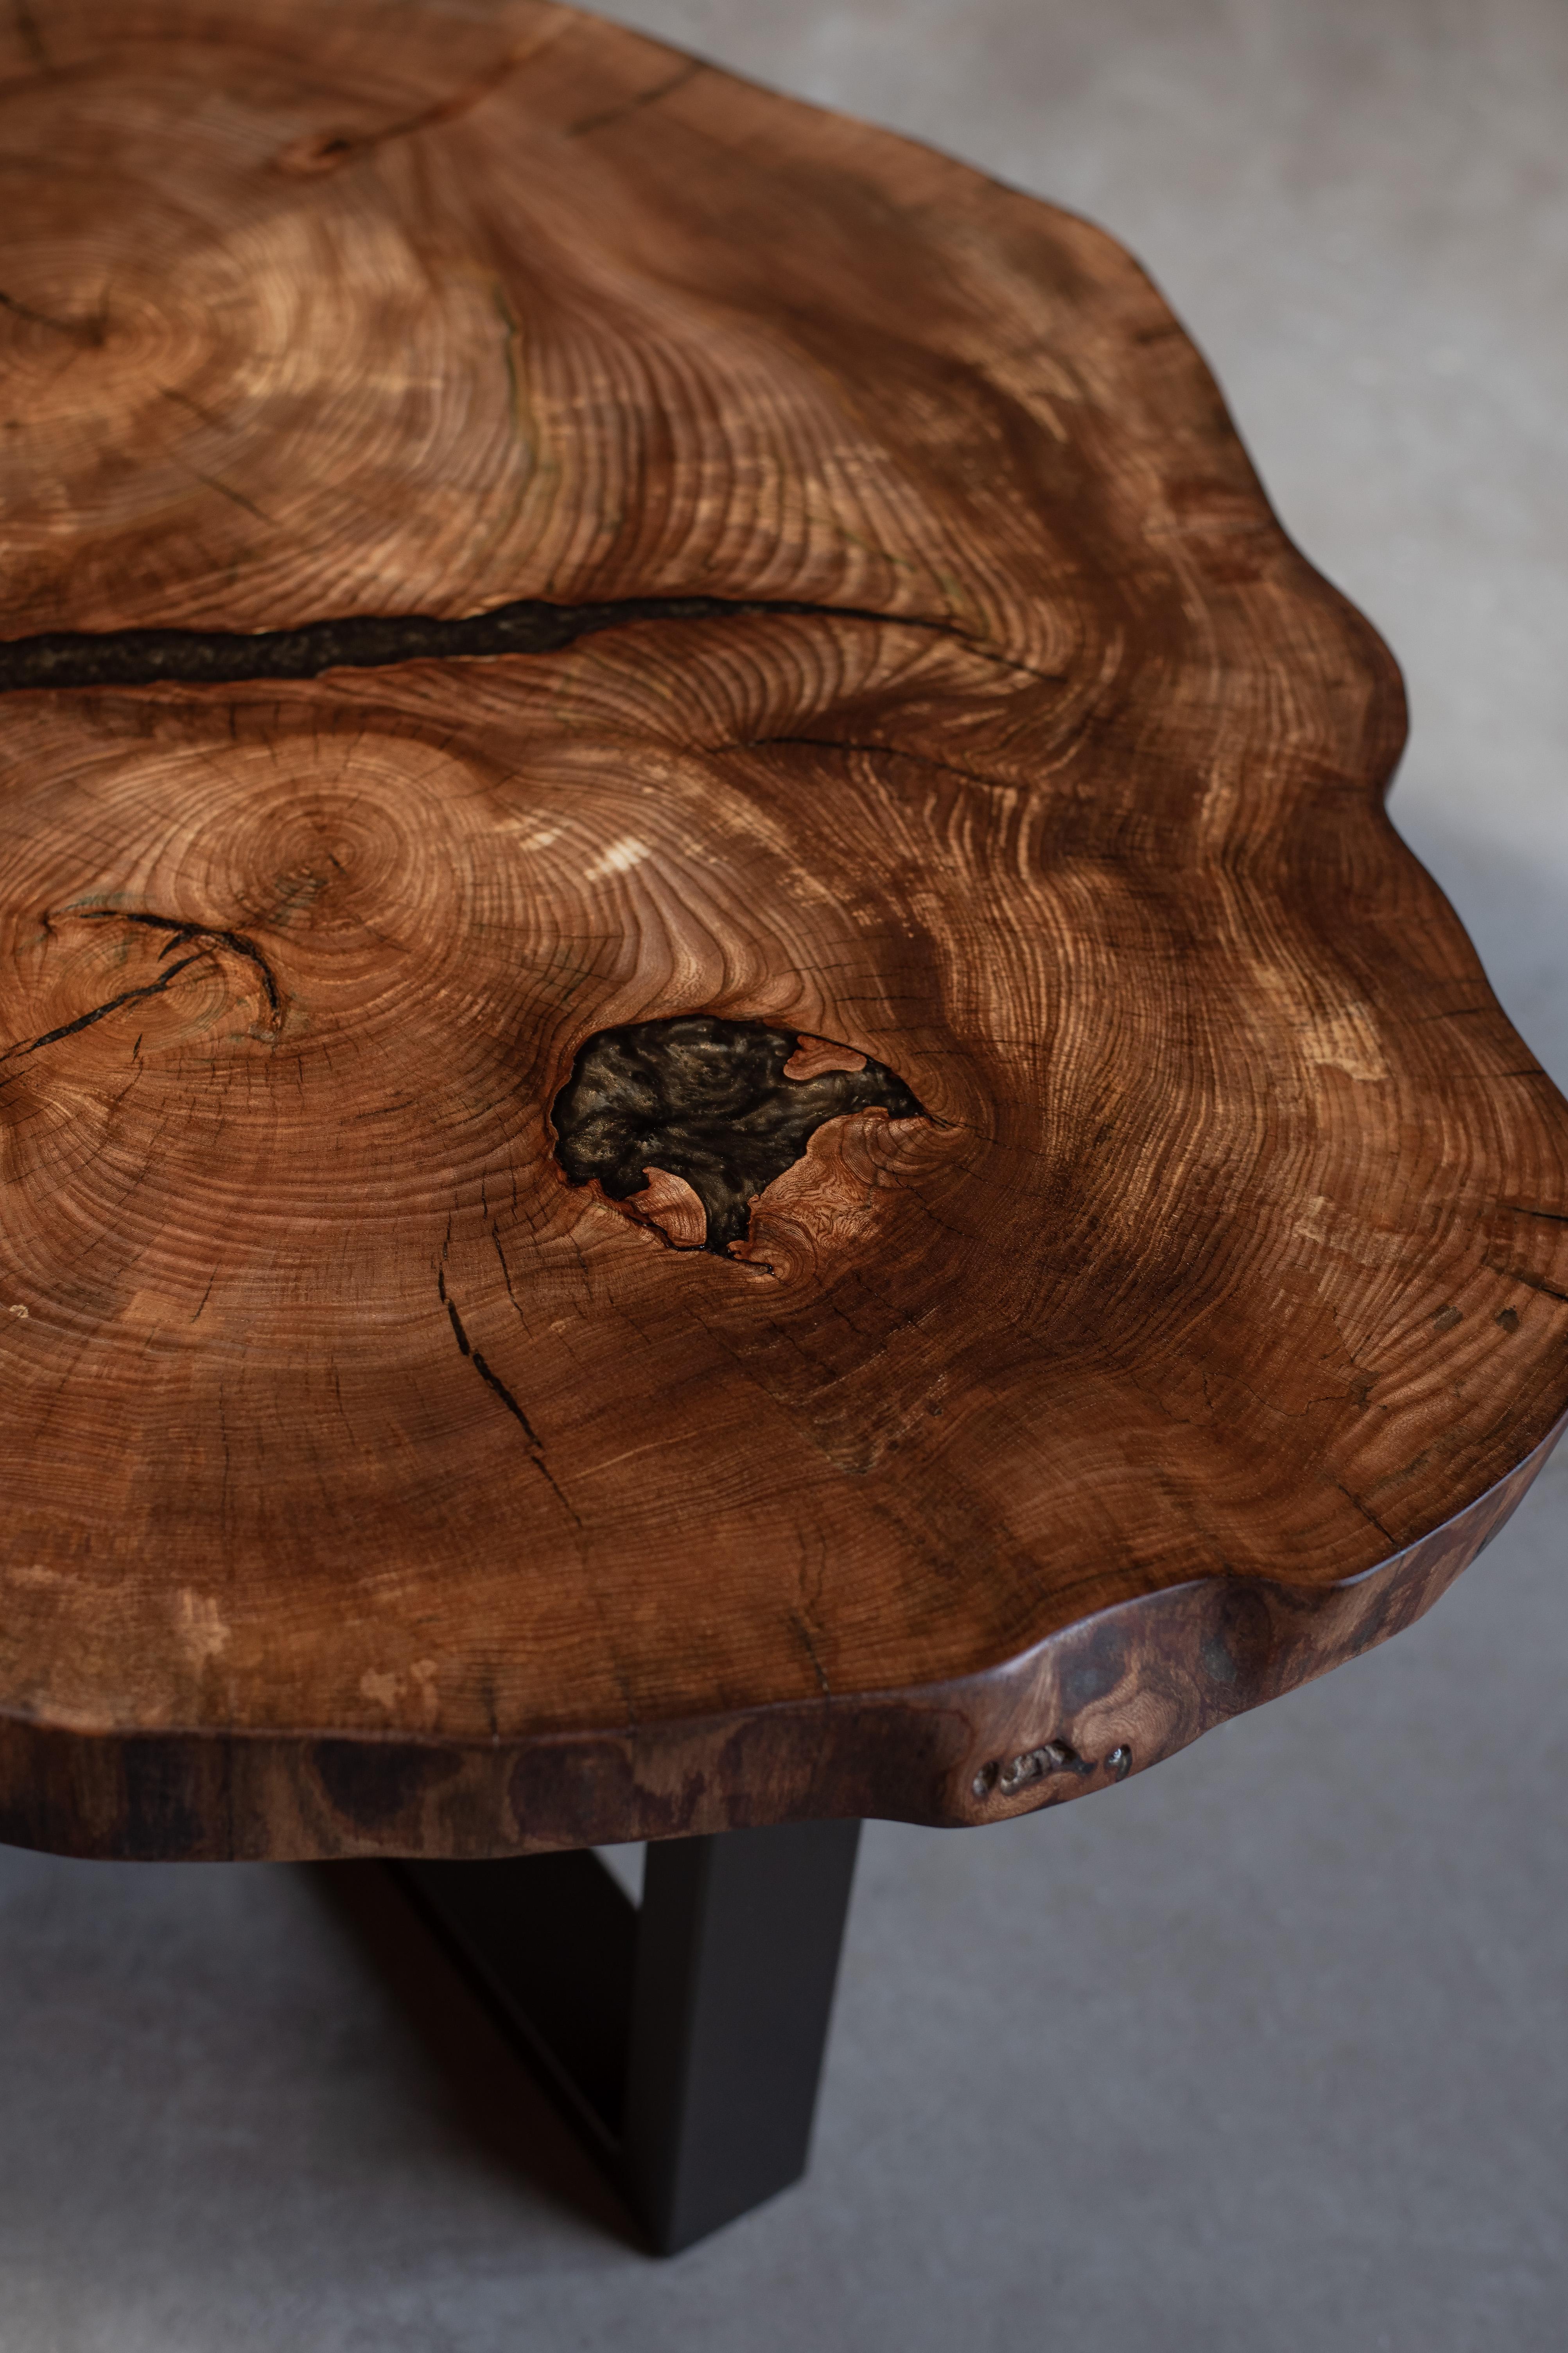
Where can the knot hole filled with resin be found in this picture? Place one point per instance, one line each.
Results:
(687, 1122)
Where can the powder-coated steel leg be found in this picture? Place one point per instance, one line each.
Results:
(684, 2036)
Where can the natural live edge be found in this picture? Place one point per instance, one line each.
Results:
(122, 658)
(370, 1487)
(1086, 1701)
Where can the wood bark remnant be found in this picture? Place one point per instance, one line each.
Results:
(566, 619)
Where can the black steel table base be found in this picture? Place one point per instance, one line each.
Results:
(684, 2036)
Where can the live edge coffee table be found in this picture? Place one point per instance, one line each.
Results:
(723, 1104)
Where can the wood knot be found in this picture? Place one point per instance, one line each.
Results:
(1005, 1777)
(688, 1121)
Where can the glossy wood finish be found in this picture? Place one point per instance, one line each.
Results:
(890, 652)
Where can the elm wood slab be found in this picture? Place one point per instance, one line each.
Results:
(570, 620)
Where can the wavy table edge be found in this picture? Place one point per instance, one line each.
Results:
(1111, 1694)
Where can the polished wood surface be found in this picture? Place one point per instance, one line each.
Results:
(570, 620)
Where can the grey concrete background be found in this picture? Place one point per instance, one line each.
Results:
(1266, 2051)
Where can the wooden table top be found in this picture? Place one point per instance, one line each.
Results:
(721, 1096)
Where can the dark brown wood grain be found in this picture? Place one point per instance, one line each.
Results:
(558, 607)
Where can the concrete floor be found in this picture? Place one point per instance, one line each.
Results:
(1266, 2051)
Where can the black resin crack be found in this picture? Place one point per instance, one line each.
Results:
(364, 642)
(236, 941)
(205, 941)
(100, 1012)
(705, 1100)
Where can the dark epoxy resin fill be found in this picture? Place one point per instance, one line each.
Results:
(708, 1101)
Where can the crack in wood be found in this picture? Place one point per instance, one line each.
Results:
(205, 942)
(844, 745)
(639, 99)
(493, 1378)
(369, 641)
(100, 1012)
(236, 943)
(499, 1389)
(328, 151)
(90, 331)
(1522, 1274)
